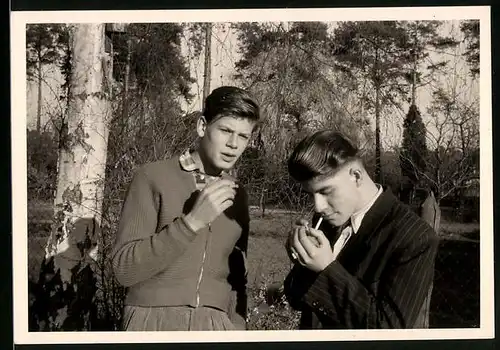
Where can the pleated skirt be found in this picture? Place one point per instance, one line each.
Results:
(175, 318)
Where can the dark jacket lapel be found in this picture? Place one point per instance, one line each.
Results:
(359, 243)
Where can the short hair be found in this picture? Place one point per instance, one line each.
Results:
(230, 101)
(322, 153)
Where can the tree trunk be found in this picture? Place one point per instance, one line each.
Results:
(39, 96)
(262, 202)
(126, 83)
(378, 167)
(208, 61)
(414, 84)
(414, 72)
(67, 277)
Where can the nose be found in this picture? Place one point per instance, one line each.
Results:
(319, 203)
(232, 142)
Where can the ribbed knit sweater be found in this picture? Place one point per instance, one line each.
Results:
(163, 262)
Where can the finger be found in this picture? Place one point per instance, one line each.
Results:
(214, 186)
(302, 222)
(297, 245)
(307, 244)
(319, 235)
(226, 204)
(291, 252)
(222, 195)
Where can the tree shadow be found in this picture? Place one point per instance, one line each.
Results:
(455, 297)
(63, 298)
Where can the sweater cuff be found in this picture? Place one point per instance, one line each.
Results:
(180, 231)
(185, 228)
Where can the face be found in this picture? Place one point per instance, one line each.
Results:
(223, 141)
(335, 196)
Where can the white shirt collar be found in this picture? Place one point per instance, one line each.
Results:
(357, 217)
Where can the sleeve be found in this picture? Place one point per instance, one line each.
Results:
(299, 279)
(141, 252)
(396, 300)
(238, 271)
(296, 284)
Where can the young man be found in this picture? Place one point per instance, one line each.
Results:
(182, 238)
(371, 262)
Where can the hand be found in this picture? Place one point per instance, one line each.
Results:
(291, 252)
(211, 202)
(316, 257)
(300, 224)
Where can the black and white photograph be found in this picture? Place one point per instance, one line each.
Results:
(268, 173)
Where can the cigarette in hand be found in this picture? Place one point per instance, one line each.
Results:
(318, 223)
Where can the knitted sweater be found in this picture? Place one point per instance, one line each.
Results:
(163, 262)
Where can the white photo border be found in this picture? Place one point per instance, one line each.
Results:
(19, 19)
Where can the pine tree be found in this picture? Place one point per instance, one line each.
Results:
(414, 149)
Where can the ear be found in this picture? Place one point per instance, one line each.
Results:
(357, 173)
(201, 126)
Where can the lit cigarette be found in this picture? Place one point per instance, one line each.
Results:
(318, 223)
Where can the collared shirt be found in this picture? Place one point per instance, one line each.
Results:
(355, 223)
(189, 164)
(357, 217)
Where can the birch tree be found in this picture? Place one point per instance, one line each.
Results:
(67, 285)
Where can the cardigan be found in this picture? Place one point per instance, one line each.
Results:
(379, 280)
(162, 262)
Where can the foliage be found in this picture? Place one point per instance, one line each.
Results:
(375, 53)
(424, 38)
(45, 44)
(156, 64)
(288, 67)
(413, 149)
(277, 316)
(454, 161)
(42, 165)
(470, 30)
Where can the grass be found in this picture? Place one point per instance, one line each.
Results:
(455, 301)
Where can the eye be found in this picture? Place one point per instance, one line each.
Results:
(326, 191)
(225, 130)
(244, 137)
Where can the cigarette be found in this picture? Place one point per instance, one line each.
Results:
(318, 223)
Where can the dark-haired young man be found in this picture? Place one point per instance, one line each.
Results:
(371, 262)
(182, 239)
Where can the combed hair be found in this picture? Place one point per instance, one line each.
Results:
(321, 153)
(230, 101)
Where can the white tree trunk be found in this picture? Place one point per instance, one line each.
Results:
(82, 159)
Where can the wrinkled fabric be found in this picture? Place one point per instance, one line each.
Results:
(173, 318)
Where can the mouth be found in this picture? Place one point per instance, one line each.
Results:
(227, 157)
(329, 217)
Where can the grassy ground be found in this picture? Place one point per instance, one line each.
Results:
(455, 301)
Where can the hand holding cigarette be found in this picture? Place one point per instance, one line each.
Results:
(306, 224)
(310, 247)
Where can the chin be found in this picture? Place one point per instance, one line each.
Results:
(224, 165)
(336, 221)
